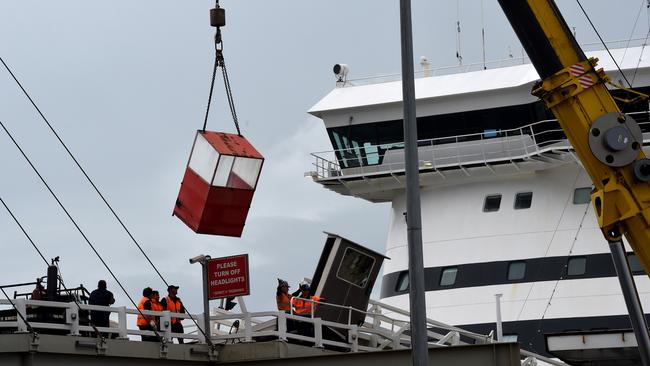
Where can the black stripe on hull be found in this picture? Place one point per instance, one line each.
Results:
(496, 273)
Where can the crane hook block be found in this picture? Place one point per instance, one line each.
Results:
(219, 183)
(218, 17)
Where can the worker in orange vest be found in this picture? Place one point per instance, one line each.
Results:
(301, 305)
(146, 322)
(174, 304)
(282, 296)
(156, 306)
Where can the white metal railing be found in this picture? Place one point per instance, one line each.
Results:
(378, 331)
(483, 148)
(492, 64)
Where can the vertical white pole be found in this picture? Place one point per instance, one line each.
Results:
(499, 323)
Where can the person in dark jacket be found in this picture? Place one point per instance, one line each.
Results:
(101, 296)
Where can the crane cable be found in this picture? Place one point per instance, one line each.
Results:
(603, 42)
(90, 181)
(74, 222)
(219, 61)
(644, 42)
(59, 275)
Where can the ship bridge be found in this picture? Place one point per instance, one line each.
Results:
(470, 125)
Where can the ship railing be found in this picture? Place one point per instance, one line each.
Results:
(71, 321)
(482, 149)
(512, 60)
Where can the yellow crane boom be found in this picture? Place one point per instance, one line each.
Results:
(607, 142)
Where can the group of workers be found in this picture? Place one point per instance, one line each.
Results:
(300, 300)
(151, 301)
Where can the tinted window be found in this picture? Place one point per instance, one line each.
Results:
(402, 282)
(492, 203)
(516, 270)
(582, 195)
(355, 267)
(635, 265)
(577, 266)
(523, 200)
(510, 338)
(448, 276)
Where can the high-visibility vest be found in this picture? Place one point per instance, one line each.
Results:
(284, 302)
(301, 306)
(174, 307)
(141, 319)
(156, 306)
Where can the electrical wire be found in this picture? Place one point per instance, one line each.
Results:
(629, 39)
(83, 171)
(603, 42)
(18, 313)
(643, 46)
(90, 181)
(74, 222)
(60, 277)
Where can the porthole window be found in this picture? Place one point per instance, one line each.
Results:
(448, 276)
(492, 203)
(402, 282)
(582, 195)
(577, 266)
(516, 271)
(523, 200)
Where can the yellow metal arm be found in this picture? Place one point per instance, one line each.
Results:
(607, 142)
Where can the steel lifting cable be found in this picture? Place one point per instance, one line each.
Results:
(603, 42)
(90, 181)
(74, 222)
(219, 61)
(60, 277)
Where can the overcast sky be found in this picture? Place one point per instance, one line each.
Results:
(125, 84)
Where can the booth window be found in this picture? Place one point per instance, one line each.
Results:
(355, 267)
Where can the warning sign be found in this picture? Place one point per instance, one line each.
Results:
(228, 277)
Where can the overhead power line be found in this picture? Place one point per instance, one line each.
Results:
(74, 222)
(92, 183)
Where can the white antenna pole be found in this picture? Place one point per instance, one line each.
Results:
(483, 34)
(458, 50)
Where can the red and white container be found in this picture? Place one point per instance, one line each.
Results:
(219, 183)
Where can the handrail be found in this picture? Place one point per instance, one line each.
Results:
(371, 336)
(478, 66)
(451, 151)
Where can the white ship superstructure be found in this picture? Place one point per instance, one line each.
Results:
(505, 203)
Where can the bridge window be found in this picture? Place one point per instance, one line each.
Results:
(516, 270)
(448, 276)
(355, 267)
(582, 195)
(523, 200)
(577, 266)
(492, 203)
